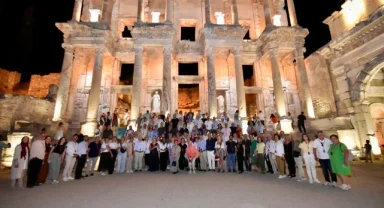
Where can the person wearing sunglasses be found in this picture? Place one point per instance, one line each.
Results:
(320, 149)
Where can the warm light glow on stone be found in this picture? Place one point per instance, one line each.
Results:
(155, 17)
(277, 20)
(94, 15)
(348, 137)
(375, 145)
(220, 18)
(14, 139)
(353, 9)
(286, 126)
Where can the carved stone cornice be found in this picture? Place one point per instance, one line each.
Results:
(153, 31)
(362, 33)
(229, 32)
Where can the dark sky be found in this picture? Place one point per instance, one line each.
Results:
(31, 44)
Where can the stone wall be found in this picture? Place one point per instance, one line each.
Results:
(39, 85)
(8, 80)
(28, 110)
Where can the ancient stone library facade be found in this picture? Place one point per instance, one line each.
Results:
(229, 55)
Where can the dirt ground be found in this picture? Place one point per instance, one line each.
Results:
(204, 189)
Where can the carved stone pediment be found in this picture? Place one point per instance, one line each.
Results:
(153, 31)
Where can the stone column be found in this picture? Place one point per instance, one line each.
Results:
(277, 84)
(139, 10)
(292, 12)
(137, 84)
(235, 15)
(94, 95)
(207, 12)
(241, 102)
(303, 80)
(212, 98)
(167, 81)
(65, 82)
(169, 11)
(77, 10)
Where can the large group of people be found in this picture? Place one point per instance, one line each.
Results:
(182, 141)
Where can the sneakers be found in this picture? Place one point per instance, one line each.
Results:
(103, 173)
(317, 181)
(282, 176)
(326, 183)
(55, 182)
(310, 181)
(65, 179)
(345, 187)
(194, 172)
(70, 178)
(334, 184)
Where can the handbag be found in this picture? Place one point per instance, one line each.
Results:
(122, 150)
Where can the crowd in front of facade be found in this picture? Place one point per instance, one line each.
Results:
(181, 142)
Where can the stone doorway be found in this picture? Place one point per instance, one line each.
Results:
(188, 97)
(124, 101)
(251, 104)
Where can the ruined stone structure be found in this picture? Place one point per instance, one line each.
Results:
(95, 50)
(337, 87)
(346, 75)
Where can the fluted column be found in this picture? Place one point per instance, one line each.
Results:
(77, 10)
(65, 82)
(207, 12)
(277, 84)
(169, 10)
(292, 12)
(94, 95)
(240, 84)
(137, 81)
(235, 14)
(167, 82)
(139, 10)
(212, 98)
(303, 80)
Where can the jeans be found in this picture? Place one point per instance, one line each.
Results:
(91, 163)
(247, 162)
(302, 127)
(327, 169)
(300, 170)
(121, 160)
(211, 159)
(231, 162)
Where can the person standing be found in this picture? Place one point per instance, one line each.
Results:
(113, 146)
(339, 156)
(247, 156)
(202, 147)
(240, 154)
(301, 122)
(93, 155)
(20, 162)
(320, 149)
(163, 154)
(261, 117)
(191, 155)
(288, 149)
(182, 159)
(271, 156)
(139, 147)
(122, 155)
(307, 151)
(254, 143)
(230, 152)
(56, 158)
(260, 152)
(211, 152)
(280, 154)
(176, 149)
(130, 154)
(43, 173)
(368, 151)
(70, 158)
(105, 157)
(298, 158)
(153, 160)
(36, 160)
(82, 149)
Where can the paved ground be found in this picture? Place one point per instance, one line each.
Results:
(249, 190)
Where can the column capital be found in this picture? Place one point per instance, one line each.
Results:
(237, 51)
(273, 52)
(68, 48)
(139, 49)
(299, 51)
(167, 49)
(210, 50)
(99, 50)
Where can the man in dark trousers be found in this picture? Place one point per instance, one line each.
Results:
(301, 122)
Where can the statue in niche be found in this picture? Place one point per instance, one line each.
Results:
(221, 106)
(156, 103)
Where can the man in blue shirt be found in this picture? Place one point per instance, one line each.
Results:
(202, 148)
(211, 142)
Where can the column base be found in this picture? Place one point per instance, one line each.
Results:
(286, 125)
(89, 128)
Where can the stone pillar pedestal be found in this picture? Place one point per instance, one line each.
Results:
(303, 80)
(65, 82)
(240, 84)
(286, 125)
(137, 85)
(207, 12)
(212, 98)
(277, 84)
(292, 12)
(77, 10)
(94, 95)
(139, 10)
(167, 82)
(235, 14)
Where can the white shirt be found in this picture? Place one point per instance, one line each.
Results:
(190, 126)
(162, 146)
(260, 128)
(71, 148)
(104, 147)
(226, 132)
(113, 145)
(322, 148)
(208, 124)
(279, 148)
(140, 146)
(82, 148)
(261, 116)
(270, 147)
(220, 146)
(199, 123)
(144, 133)
(38, 149)
(147, 145)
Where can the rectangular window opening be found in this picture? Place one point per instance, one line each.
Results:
(126, 32)
(188, 69)
(188, 33)
(126, 75)
(249, 78)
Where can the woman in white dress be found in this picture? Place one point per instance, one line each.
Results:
(20, 162)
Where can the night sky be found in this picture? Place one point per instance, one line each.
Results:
(31, 44)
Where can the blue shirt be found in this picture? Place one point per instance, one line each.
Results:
(202, 145)
(120, 132)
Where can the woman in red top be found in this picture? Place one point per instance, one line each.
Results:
(191, 154)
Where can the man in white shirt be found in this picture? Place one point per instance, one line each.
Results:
(36, 160)
(320, 149)
(139, 148)
(82, 150)
(270, 151)
(144, 131)
(126, 117)
(226, 131)
(279, 152)
(70, 158)
(208, 124)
